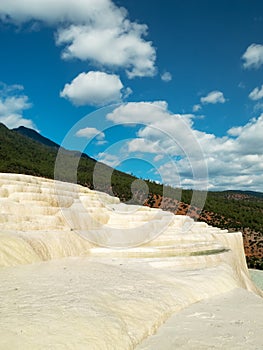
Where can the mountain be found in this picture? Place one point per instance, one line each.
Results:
(34, 135)
(23, 155)
(25, 151)
(244, 194)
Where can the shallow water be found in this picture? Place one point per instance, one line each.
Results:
(257, 277)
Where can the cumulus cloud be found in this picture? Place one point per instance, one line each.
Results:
(93, 88)
(143, 145)
(253, 57)
(12, 106)
(258, 107)
(256, 94)
(157, 124)
(112, 47)
(249, 141)
(138, 112)
(10, 89)
(109, 159)
(234, 161)
(213, 97)
(197, 108)
(166, 77)
(93, 30)
(127, 92)
(90, 133)
(58, 11)
(161, 133)
(235, 131)
(158, 157)
(242, 85)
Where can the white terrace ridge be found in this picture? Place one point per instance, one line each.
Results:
(108, 291)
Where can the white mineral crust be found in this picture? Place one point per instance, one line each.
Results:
(68, 280)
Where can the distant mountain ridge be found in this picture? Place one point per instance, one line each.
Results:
(248, 193)
(34, 135)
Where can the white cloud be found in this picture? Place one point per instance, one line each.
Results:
(235, 131)
(161, 133)
(158, 157)
(138, 112)
(197, 108)
(109, 159)
(58, 11)
(94, 30)
(166, 77)
(12, 107)
(256, 94)
(169, 174)
(250, 138)
(253, 57)
(213, 97)
(242, 85)
(234, 161)
(157, 125)
(258, 107)
(90, 133)
(115, 47)
(127, 92)
(143, 145)
(101, 142)
(6, 89)
(93, 88)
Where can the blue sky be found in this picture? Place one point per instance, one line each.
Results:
(188, 77)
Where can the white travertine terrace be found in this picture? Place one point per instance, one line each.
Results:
(61, 291)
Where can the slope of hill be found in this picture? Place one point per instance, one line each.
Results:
(34, 135)
(20, 154)
(25, 151)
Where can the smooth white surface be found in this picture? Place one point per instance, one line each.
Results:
(222, 322)
(60, 291)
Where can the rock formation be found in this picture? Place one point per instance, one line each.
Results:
(81, 270)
